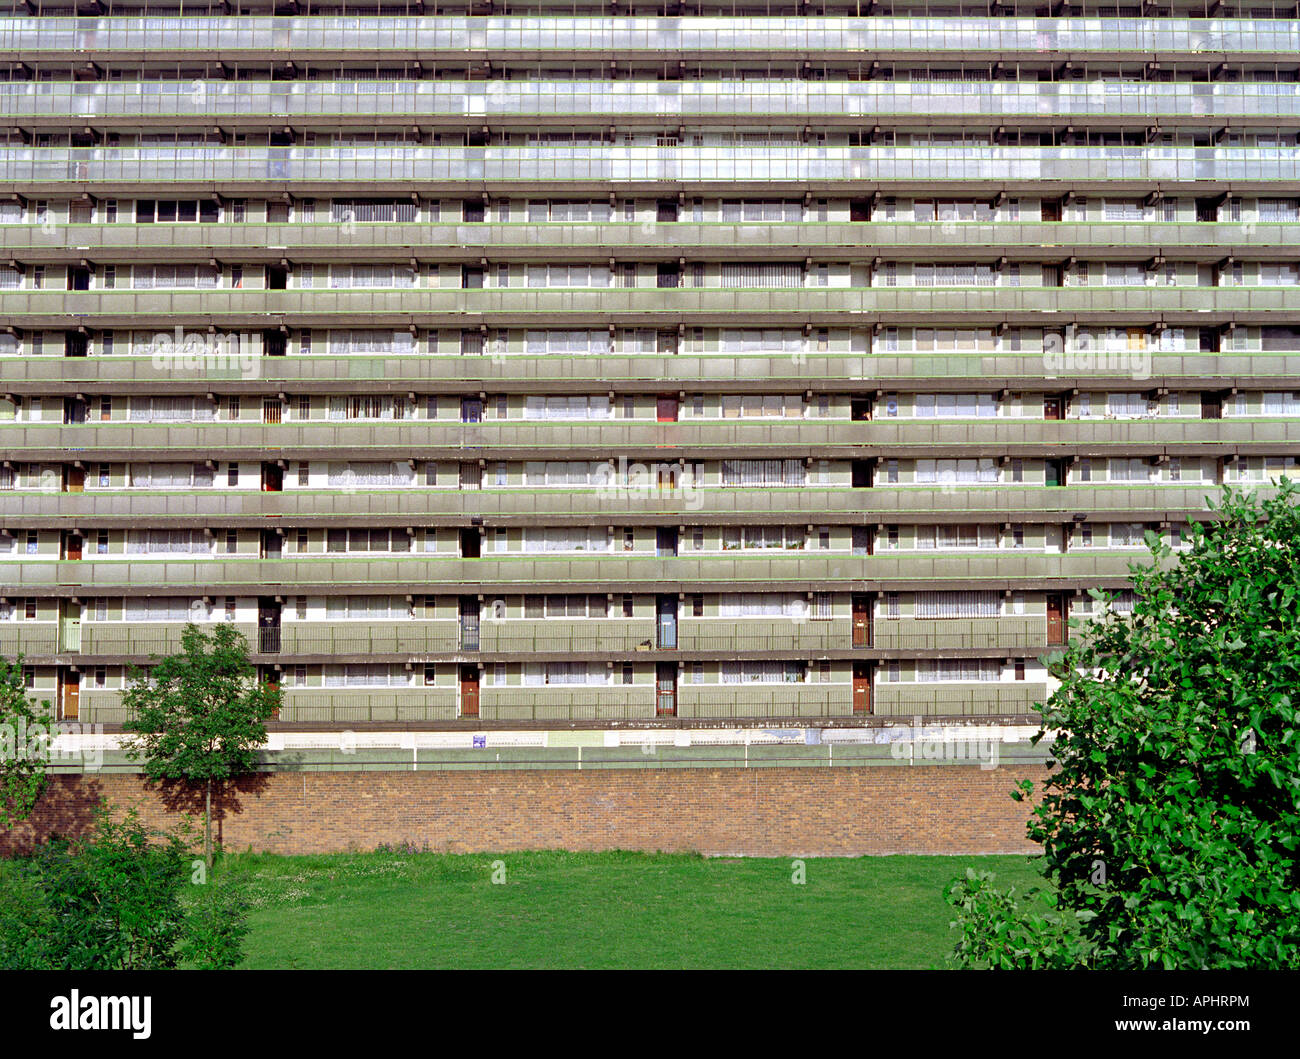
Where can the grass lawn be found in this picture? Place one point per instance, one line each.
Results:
(601, 910)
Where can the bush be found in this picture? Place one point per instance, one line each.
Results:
(114, 901)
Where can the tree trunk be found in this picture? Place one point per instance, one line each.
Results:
(207, 826)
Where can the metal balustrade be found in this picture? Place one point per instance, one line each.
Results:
(1188, 306)
(423, 440)
(473, 169)
(433, 241)
(521, 373)
(564, 102)
(920, 37)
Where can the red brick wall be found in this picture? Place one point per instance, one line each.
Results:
(944, 809)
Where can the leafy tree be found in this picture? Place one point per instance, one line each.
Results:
(201, 715)
(117, 900)
(22, 773)
(1171, 824)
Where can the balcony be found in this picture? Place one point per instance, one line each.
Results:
(327, 241)
(594, 573)
(724, 637)
(422, 440)
(563, 103)
(568, 703)
(1010, 633)
(748, 702)
(846, 306)
(445, 506)
(251, 38)
(590, 637)
(462, 170)
(366, 705)
(1001, 698)
(737, 372)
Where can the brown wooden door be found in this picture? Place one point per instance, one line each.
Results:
(72, 546)
(1057, 616)
(1211, 406)
(1053, 408)
(861, 621)
(70, 700)
(862, 703)
(76, 479)
(469, 691)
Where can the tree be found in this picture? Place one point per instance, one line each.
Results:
(1171, 823)
(201, 715)
(22, 734)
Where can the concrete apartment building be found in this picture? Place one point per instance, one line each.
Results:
(613, 362)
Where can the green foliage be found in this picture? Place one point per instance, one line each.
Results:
(115, 901)
(200, 714)
(215, 927)
(1170, 827)
(22, 773)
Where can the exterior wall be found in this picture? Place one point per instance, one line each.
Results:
(758, 812)
(928, 343)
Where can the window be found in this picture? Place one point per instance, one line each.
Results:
(956, 604)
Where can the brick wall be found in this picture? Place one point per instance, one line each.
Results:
(945, 809)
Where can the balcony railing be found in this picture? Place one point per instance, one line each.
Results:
(920, 36)
(753, 167)
(326, 240)
(1137, 306)
(524, 372)
(547, 101)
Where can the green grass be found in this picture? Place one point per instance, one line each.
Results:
(601, 910)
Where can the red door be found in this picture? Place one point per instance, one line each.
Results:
(861, 621)
(667, 409)
(469, 691)
(666, 689)
(1057, 616)
(862, 687)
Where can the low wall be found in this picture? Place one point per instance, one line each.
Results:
(760, 812)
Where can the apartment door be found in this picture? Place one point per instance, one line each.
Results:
(69, 626)
(74, 479)
(70, 696)
(666, 622)
(666, 689)
(471, 476)
(73, 545)
(862, 674)
(859, 210)
(469, 691)
(862, 631)
(666, 541)
(666, 409)
(268, 625)
(272, 410)
(75, 409)
(1057, 617)
(471, 410)
(1211, 406)
(1053, 408)
(471, 544)
(272, 545)
(272, 478)
(1051, 210)
(864, 540)
(469, 624)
